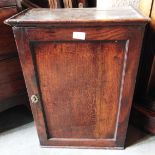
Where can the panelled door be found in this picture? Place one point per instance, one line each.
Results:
(80, 90)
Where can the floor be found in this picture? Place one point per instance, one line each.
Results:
(23, 140)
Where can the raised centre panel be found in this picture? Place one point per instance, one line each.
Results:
(80, 86)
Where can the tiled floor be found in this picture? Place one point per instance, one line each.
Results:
(23, 140)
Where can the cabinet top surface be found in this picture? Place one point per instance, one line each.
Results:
(69, 16)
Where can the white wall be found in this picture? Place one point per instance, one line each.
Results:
(117, 3)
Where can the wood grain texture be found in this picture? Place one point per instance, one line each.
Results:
(11, 78)
(85, 87)
(76, 87)
(12, 86)
(77, 16)
(7, 43)
(66, 34)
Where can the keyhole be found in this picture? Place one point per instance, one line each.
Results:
(34, 99)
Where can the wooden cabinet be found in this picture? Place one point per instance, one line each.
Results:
(7, 43)
(12, 86)
(143, 112)
(80, 67)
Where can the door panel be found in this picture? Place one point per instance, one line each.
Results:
(80, 87)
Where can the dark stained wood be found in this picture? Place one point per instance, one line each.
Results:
(7, 47)
(151, 83)
(12, 86)
(85, 87)
(28, 4)
(92, 16)
(77, 87)
(57, 34)
(144, 118)
(11, 78)
(144, 97)
(46, 3)
(4, 3)
(145, 81)
(35, 3)
(20, 99)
